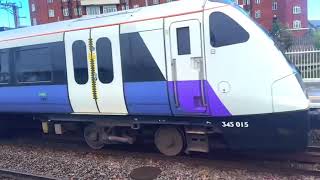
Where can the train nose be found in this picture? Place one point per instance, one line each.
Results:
(288, 95)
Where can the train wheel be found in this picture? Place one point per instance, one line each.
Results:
(93, 136)
(169, 141)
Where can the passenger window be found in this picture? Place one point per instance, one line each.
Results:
(80, 65)
(4, 68)
(225, 31)
(104, 60)
(183, 40)
(33, 65)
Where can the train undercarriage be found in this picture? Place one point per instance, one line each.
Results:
(176, 135)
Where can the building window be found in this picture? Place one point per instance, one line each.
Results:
(33, 7)
(183, 40)
(93, 10)
(80, 11)
(258, 1)
(80, 65)
(155, 1)
(246, 2)
(224, 31)
(296, 24)
(110, 8)
(75, 11)
(4, 68)
(51, 13)
(34, 21)
(296, 10)
(104, 60)
(274, 5)
(50, 1)
(258, 14)
(33, 65)
(65, 12)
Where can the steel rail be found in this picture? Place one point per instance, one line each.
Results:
(23, 176)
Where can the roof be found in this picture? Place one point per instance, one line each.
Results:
(121, 17)
(131, 21)
(315, 23)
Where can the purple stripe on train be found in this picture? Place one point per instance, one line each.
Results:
(151, 98)
(190, 100)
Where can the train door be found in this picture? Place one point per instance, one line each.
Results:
(109, 84)
(186, 85)
(94, 71)
(80, 81)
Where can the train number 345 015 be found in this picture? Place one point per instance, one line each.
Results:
(235, 124)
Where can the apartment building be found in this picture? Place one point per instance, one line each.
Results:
(291, 13)
(47, 11)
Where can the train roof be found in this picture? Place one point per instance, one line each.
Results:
(121, 17)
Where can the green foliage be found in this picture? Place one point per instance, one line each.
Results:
(286, 38)
(316, 37)
(281, 36)
(276, 28)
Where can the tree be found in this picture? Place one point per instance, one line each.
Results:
(316, 37)
(276, 28)
(281, 35)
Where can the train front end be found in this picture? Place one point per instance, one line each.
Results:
(262, 91)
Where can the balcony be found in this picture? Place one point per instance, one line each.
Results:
(99, 2)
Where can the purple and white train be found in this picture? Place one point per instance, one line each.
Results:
(191, 75)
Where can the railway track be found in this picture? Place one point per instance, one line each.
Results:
(10, 174)
(307, 163)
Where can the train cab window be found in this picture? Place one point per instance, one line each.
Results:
(4, 68)
(183, 40)
(33, 65)
(79, 52)
(104, 60)
(225, 31)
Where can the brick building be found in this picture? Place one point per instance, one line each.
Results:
(47, 11)
(141, 3)
(293, 14)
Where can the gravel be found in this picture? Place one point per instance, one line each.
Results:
(81, 163)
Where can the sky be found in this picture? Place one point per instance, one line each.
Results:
(6, 19)
(314, 9)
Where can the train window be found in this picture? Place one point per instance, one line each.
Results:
(104, 60)
(138, 64)
(4, 68)
(225, 31)
(80, 65)
(33, 65)
(183, 40)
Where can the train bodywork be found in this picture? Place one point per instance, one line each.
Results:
(198, 70)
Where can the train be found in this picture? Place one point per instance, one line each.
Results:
(189, 76)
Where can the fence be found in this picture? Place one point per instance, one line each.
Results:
(307, 61)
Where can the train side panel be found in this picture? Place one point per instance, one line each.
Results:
(33, 79)
(144, 70)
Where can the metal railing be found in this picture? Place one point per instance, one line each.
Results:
(307, 61)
